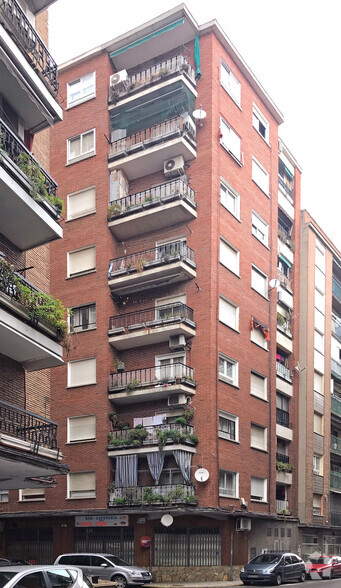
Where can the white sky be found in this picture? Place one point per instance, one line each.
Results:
(292, 46)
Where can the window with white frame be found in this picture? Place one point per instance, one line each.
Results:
(4, 496)
(171, 476)
(260, 123)
(81, 146)
(228, 426)
(228, 484)
(170, 365)
(228, 313)
(319, 301)
(83, 318)
(230, 83)
(81, 485)
(258, 437)
(229, 256)
(228, 369)
(230, 199)
(259, 281)
(81, 428)
(258, 386)
(31, 494)
(258, 337)
(258, 489)
(317, 505)
(82, 89)
(230, 140)
(260, 176)
(81, 372)
(260, 229)
(169, 307)
(81, 261)
(318, 423)
(318, 383)
(81, 203)
(317, 464)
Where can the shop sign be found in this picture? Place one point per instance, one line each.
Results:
(102, 521)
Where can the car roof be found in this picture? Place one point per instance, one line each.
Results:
(86, 553)
(32, 568)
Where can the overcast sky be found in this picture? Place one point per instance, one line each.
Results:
(293, 48)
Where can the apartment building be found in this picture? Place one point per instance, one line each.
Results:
(178, 405)
(31, 322)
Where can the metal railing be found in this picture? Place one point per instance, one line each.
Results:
(282, 417)
(25, 425)
(336, 367)
(283, 279)
(152, 376)
(178, 250)
(336, 327)
(157, 193)
(284, 186)
(335, 480)
(176, 493)
(152, 317)
(335, 444)
(283, 371)
(335, 518)
(282, 505)
(28, 39)
(282, 457)
(152, 437)
(285, 230)
(337, 289)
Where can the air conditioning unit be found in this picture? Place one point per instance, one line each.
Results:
(172, 168)
(177, 342)
(177, 400)
(118, 79)
(189, 126)
(243, 524)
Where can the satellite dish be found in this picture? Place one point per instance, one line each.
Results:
(199, 114)
(274, 283)
(167, 520)
(201, 475)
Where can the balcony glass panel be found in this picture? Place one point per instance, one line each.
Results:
(336, 405)
(335, 444)
(335, 480)
(337, 289)
(22, 424)
(335, 519)
(336, 368)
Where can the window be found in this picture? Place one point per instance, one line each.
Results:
(318, 341)
(169, 307)
(228, 313)
(319, 301)
(81, 146)
(260, 176)
(81, 428)
(258, 386)
(228, 426)
(83, 318)
(259, 281)
(318, 424)
(317, 464)
(317, 505)
(318, 383)
(82, 89)
(229, 139)
(81, 203)
(4, 496)
(60, 578)
(81, 485)
(259, 334)
(81, 261)
(229, 257)
(230, 82)
(260, 228)
(320, 280)
(168, 366)
(258, 489)
(228, 484)
(260, 123)
(171, 476)
(282, 402)
(81, 372)
(319, 320)
(230, 199)
(258, 437)
(320, 256)
(27, 494)
(228, 370)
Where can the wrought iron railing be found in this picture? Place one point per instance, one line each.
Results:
(337, 289)
(283, 371)
(335, 444)
(143, 260)
(175, 188)
(281, 505)
(152, 438)
(335, 480)
(28, 39)
(170, 493)
(152, 317)
(282, 457)
(336, 367)
(25, 425)
(282, 417)
(152, 376)
(284, 186)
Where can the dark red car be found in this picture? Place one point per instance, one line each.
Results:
(323, 566)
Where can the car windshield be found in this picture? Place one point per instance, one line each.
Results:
(117, 561)
(5, 577)
(320, 560)
(267, 558)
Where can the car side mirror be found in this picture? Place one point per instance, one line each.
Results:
(104, 565)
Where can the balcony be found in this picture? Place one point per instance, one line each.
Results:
(285, 202)
(284, 337)
(153, 383)
(285, 282)
(336, 406)
(163, 265)
(151, 325)
(29, 208)
(143, 440)
(283, 372)
(336, 369)
(150, 76)
(336, 327)
(283, 427)
(34, 436)
(335, 481)
(282, 417)
(285, 250)
(28, 332)
(162, 206)
(335, 444)
(285, 297)
(283, 477)
(282, 506)
(167, 495)
(282, 458)
(28, 72)
(335, 519)
(336, 288)
(145, 151)
(285, 185)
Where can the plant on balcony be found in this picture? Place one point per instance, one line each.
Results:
(119, 365)
(281, 320)
(135, 437)
(164, 71)
(119, 501)
(282, 235)
(132, 385)
(139, 264)
(180, 421)
(191, 500)
(38, 189)
(175, 436)
(111, 487)
(284, 467)
(188, 414)
(113, 210)
(285, 512)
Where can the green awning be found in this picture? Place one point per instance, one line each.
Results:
(197, 58)
(147, 38)
(284, 259)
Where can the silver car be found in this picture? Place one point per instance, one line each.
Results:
(26, 576)
(106, 567)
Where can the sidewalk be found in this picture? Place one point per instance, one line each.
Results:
(195, 584)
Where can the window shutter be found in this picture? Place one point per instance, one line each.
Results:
(258, 437)
(82, 428)
(81, 203)
(258, 386)
(260, 176)
(257, 336)
(258, 281)
(257, 487)
(82, 372)
(227, 313)
(229, 257)
(82, 260)
(83, 482)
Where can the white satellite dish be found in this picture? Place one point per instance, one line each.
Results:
(201, 475)
(167, 520)
(199, 114)
(274, 283)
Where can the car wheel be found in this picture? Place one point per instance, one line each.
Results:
(302, 577)
(121, 581)
(278, 580)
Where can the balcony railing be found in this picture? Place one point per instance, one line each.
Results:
(335, 480)
(335, 444)
(25, 425)
(282, 417)
(152, 317)
(284, 280)
(283, 371)
(336, 368)
(335, 519)
(286, 188)
(336, 327)
(282, 505)
(152, 377)
(337, 289)
(28, 39)
(143, 260)
(124, 438)
(282, 457)
(336, 405)
(157, 194)
(148, 495)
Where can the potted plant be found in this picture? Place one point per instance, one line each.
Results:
(119, 365)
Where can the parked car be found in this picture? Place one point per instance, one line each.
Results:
(6, 561)
(323, 566)
(106, 567)
(273, 567)
(27, 576)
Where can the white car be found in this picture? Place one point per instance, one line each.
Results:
(47, 576)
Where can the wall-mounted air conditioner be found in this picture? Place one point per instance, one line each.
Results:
(172, 168)
(243, 524)
(118, 79)
(177, 342)
(177, 400)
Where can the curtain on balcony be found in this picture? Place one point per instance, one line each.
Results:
(155, 463)
(126, 471)
(184, 460)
